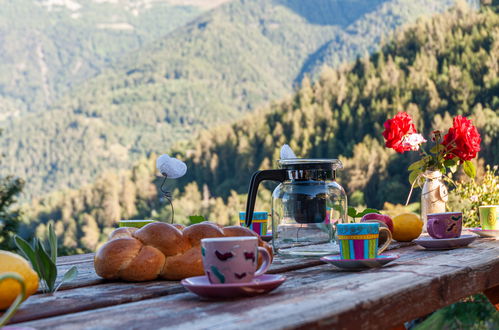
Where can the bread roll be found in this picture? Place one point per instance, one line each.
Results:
(160, 250)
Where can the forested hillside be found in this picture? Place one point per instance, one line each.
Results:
(435, 69)
(48, 47)
(215, 69)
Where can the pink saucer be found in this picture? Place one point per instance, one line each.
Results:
(431, 243)
(359, 264)
(201, 286)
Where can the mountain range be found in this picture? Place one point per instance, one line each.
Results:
(51, 46)
(218, 67)
(434, 69)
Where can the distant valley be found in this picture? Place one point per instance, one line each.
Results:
(220, 66)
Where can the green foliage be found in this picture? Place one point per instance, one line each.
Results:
(471, 194)
(215, 69)
(10, 188)
(434, 160)
(352, 212)
(476, 313)
(193, 219)
(44, 263)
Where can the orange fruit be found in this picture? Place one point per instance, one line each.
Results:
(407, 227)
(10, 288)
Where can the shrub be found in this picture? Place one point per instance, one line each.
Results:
(469, 195)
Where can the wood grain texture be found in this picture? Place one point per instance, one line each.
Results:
(318, 296)
(87, 276)
(88, 291)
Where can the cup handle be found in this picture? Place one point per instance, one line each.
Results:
(266, 261)
(388, 241)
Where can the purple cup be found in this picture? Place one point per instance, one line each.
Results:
(445, 225)
(233, 259)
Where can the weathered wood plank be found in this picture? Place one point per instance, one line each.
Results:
(75, 259)
(321, 296)
(92, 297)
(86, 274)
(89, 291)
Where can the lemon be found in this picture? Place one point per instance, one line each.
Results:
(10, 288)
(406, 227)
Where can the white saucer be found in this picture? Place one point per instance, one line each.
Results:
(485, 232)
(359, 264)
(201, 286)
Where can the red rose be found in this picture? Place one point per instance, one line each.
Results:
(396, 129)
(463, 140)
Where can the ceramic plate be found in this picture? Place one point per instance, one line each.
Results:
(431, 243)
(359, 264)
(485, 232)
(201, 286)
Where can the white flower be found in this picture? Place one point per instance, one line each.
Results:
(474, 198)
(287, 153)
(172, 168)
(413, 141)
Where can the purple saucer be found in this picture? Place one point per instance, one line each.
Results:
(359, 264)
(431, 243)
(201, 286)
(485, 232)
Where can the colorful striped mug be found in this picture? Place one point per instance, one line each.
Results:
(360, 240)
(259, 224)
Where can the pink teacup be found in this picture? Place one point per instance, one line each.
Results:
(233, 259)
(445, 225)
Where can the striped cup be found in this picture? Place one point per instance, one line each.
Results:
(259, 224)
(360, 240)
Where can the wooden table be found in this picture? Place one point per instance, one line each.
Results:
(315, 295)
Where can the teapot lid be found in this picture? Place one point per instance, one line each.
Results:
(310, 163)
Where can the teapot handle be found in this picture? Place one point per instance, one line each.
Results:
(256, 178)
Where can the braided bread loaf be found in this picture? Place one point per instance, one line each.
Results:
(161, 250)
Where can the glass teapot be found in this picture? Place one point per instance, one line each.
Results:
(306, 206)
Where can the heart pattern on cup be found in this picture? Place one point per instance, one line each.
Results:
(240, 276)
(250, 256)
(223, 256)
(233, 259)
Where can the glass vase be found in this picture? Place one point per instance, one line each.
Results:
(434, 195)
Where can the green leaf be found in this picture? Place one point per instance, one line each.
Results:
(437, 148)
(196, 219)
(417, 165)
(451, 162)
(469, 169)
(413, 176)
(369, 210)
(48, 268)
(53, 243)
(68, 276)
(366, 211)
(352, 212)
(27, 251)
